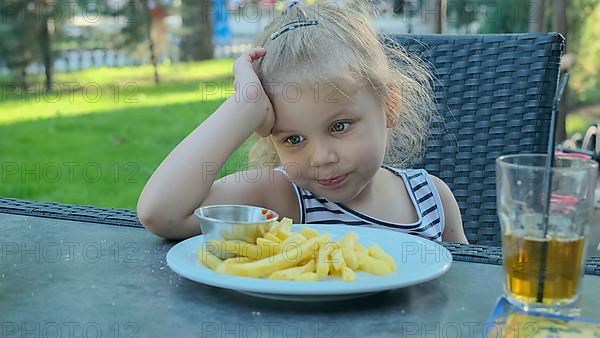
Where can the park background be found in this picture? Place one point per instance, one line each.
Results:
(95, 93)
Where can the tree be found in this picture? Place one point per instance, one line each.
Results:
(537, 18)
(27, 28)
(461, 13)
(48, 18)
(138, 27)
(440, 15)
(197, 24)
(15, 41)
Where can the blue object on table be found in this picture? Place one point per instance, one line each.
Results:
(497, 321)
(221, 31)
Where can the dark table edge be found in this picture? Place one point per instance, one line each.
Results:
(128, 218)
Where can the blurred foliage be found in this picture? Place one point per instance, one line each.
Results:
(585, 81)
(512, 16)
(578, 13)
(578, 124)
(504, 16)
(583, 37)
(137, 14)
(24, 38)
(27, 28)
(15, 41)
(135, 31)
(461, 12)
(579, 16)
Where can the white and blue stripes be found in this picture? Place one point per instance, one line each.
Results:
(423, 193)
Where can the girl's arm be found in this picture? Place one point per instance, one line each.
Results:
(453, 231)
(183, 180)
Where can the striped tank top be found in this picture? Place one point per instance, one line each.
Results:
(423, 193)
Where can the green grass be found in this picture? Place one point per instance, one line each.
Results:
(592, 96)
(102, 153)
(578, 124)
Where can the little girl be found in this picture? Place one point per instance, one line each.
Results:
(331, 107)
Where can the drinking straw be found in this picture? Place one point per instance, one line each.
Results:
(548, 189)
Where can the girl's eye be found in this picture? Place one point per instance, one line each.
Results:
(338, 126)
(293, 140)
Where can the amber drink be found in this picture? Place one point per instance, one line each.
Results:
(544, 255)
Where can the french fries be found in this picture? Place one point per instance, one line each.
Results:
(323, 260)
(293, 273)
(208, 258)
(282, 260)
(281, 254)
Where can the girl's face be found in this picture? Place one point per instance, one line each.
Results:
(319, 133)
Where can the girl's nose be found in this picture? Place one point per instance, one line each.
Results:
(323, 155)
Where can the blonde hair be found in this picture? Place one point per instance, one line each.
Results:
(343, 48)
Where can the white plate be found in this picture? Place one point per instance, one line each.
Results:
(418, 260)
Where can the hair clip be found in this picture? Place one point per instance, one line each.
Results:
(293, 25)
(291, 4)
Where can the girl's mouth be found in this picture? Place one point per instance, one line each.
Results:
(333, 182)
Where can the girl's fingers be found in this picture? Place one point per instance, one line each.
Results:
(249, 56)
(256, 53)
(242, 68)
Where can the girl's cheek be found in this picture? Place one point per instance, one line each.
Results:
(294, 167)
(286, 159)
(367, 149)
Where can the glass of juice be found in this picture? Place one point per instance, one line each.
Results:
(544, 252)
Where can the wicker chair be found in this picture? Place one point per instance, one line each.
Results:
(496, 93)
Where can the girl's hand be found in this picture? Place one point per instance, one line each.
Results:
(251, 92)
